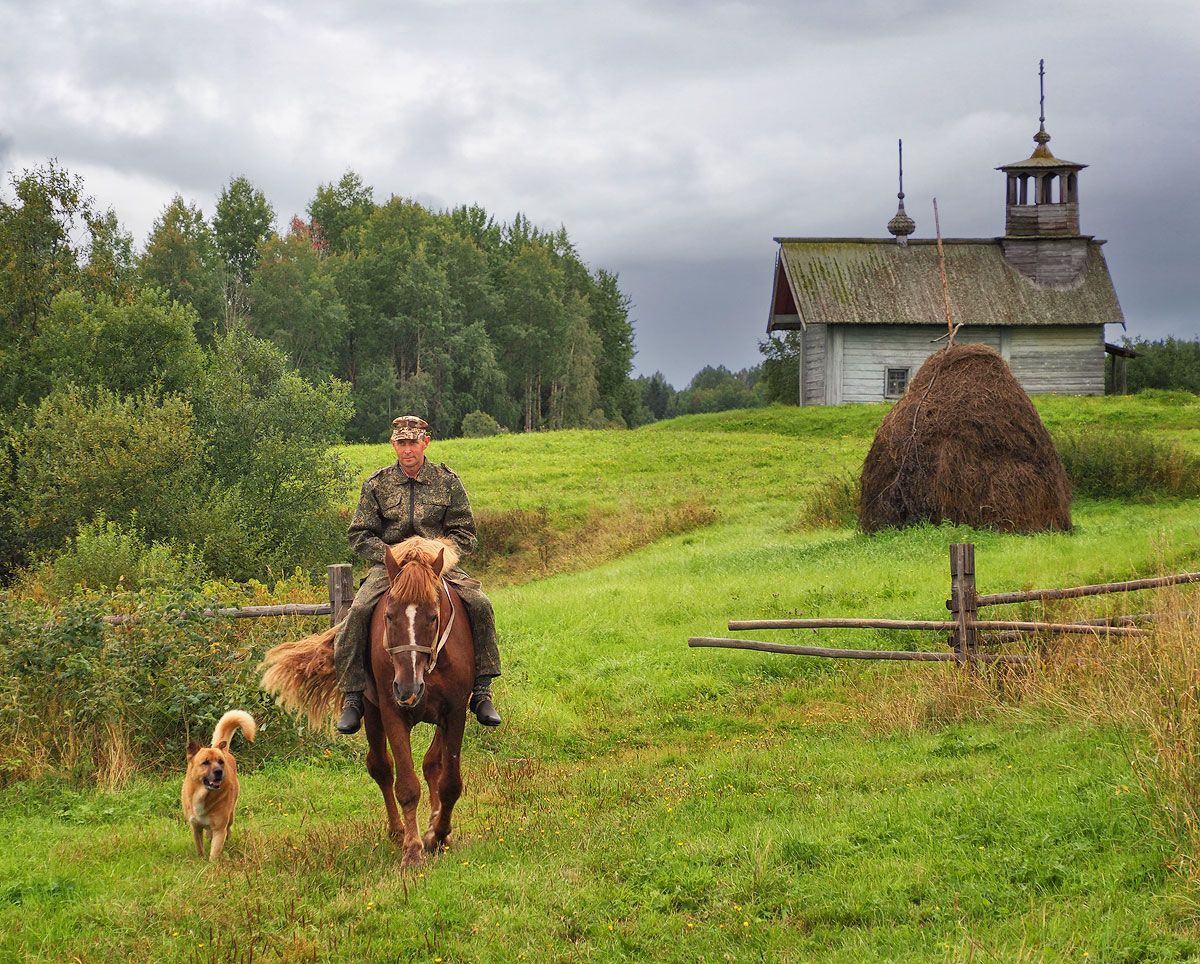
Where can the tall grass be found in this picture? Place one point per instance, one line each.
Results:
(1145, 689)
(519, 545)
(1128, 464)
(96, 703)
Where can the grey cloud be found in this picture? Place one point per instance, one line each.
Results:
(673, 139)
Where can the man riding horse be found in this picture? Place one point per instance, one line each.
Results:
(413, 497)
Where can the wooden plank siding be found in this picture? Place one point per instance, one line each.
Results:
(869, 350)
(813, 362)
(1060, 359)
(848, 363)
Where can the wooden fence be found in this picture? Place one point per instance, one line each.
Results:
(341, 595)
(964, 626)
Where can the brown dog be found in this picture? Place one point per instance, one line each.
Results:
(210, 789)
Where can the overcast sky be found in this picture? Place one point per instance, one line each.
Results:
(673, 139)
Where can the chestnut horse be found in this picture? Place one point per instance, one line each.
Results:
(422, 659)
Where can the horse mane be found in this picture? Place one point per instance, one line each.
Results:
(419, 582)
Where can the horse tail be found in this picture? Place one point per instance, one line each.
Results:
(301, 675)
(231, 721)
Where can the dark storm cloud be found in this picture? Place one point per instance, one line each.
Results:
(672, 139)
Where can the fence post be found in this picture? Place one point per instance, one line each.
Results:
(963, 605)
(341, 591)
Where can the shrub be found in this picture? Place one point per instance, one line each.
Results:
(147, 343)
(243, 470)
(479, 424)
(1129, 464)
(833, 504)
(82, 455)
(505, 533)
(272, 488)
(97, 702)
(106, 555)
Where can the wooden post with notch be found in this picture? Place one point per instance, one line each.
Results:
(341, 591)
(963, 602)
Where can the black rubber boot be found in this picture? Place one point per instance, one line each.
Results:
(352, 714)
(482, 706)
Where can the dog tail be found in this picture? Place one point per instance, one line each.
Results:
(301, 676)
(234, 720)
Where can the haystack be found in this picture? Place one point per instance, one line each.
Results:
(965, 445)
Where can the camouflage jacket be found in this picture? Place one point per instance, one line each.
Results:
(393, 507)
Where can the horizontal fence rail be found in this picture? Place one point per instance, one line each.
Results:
(938, 625)
(341, 595)
(1131, 585)
(964, 627)
(718, 642)
(238, 612)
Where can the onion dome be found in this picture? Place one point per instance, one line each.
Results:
(901, 225)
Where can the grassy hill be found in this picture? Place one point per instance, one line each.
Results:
(647, 801)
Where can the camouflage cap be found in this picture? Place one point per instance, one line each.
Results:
(409, 427)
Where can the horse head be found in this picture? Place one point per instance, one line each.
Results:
(413, 616)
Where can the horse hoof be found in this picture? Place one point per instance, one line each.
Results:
(413, 855)
(434, 844)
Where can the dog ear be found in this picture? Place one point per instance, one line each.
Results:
(222, 745)
(192, 748)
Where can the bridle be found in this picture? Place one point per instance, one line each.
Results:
(435, 650)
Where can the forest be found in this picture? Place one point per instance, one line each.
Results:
(190, 390)
(444, 313)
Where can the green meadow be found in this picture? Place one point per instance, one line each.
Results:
(647, 801)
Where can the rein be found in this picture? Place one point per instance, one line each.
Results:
(432, 651)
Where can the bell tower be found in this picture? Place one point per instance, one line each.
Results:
(1041, 209)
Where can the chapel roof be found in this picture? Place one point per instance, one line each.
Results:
(875, 281)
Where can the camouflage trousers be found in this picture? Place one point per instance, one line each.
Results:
(350, 647)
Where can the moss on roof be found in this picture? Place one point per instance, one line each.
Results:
(871, 282)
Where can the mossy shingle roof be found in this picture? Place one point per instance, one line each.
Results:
(870, 282)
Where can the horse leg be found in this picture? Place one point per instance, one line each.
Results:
(379, 765)
(432, 767)
(450, 782)
(408, 787)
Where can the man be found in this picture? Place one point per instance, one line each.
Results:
(414, 497)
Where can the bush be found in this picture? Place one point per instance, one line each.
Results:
(97, 702)
(273, 482)
(243, 470)
(506, 533)
(833, 504)
(105, 555)
(85, 454)
(479, 424)
(1129, 464)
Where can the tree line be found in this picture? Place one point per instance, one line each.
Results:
(181, 399)
(1165, 363)
(442, 313)
(187, 394)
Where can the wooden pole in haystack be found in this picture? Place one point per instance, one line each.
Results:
(937, 227)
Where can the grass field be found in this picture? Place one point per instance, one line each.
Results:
(645, 801)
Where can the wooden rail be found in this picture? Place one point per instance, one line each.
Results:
(1092, 627)
(1131, 585)
(341, 595)
(964, 626)
(895, 654)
